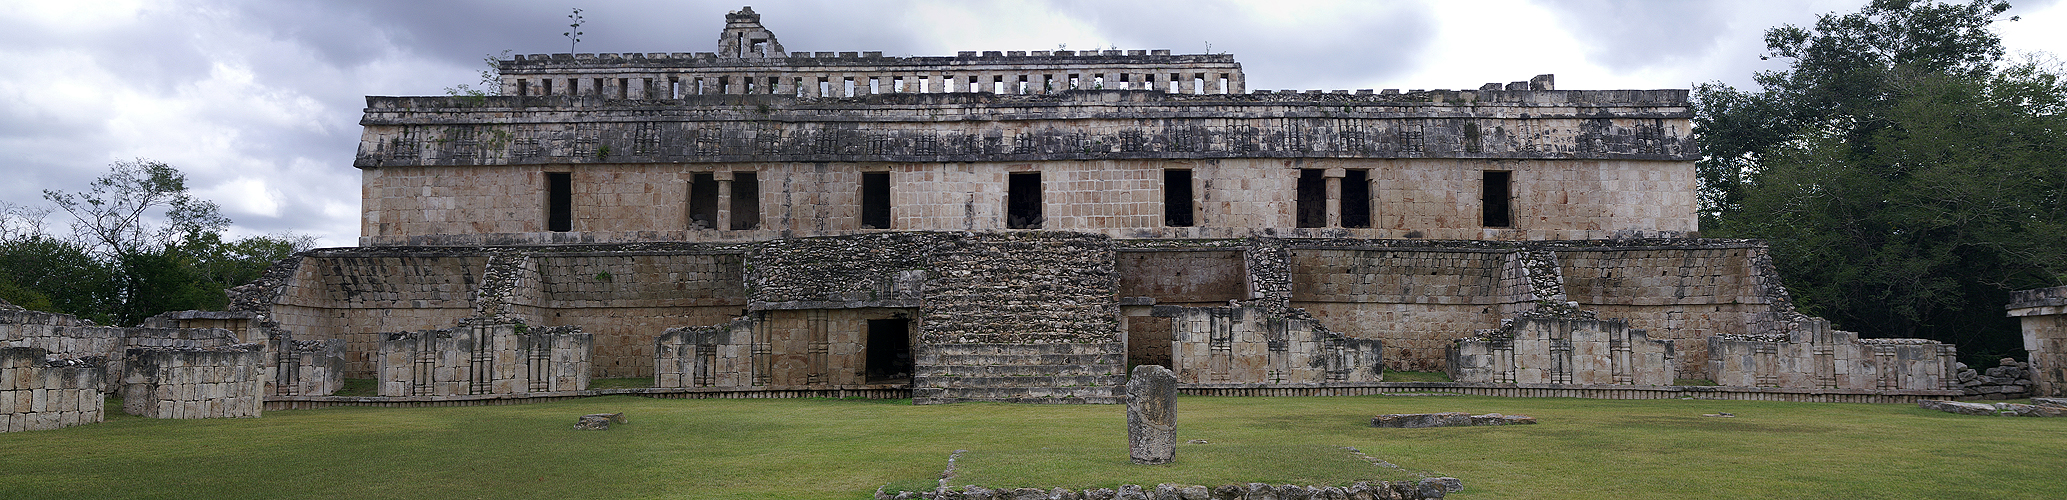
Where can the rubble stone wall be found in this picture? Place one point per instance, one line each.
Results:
(1548, 350)
(1807, 352)
(484, 357)
(41, 393)
(211, 382)
(1251, 345)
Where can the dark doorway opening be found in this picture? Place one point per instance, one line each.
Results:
(889, 351)
(1356, 198)
(703, 201)
(559, 201)
(746, 201)
(875, 200)
(1313, 198)
(1177, 198)
(1023, 201)
(1494, 195)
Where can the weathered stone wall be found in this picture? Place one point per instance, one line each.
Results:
(869, 270)
(778, 350)
(354, 295)
(307, 367)
(204, 382)
(2043, 313)
(1807, 352)
(1254, 345)
(69, 336)
(623, 299)
(1021, 316)
(41, 393)
(1084, 372)
(1534, 349)
(1189, 278)
(1232, 198)
(1678, 292)
(482, 357)
(1415, 298)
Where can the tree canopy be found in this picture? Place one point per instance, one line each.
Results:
(1906, 178)
(140, 245)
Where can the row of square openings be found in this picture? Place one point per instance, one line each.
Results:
(1023, 206)
(827, 86)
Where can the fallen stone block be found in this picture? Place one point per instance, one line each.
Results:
(1962, 408)
(2062, 402)
(1446, 419)
(599, 421)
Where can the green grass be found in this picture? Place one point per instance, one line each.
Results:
(1397, 376)
(621, 383)
(359, 387)
(845, 449)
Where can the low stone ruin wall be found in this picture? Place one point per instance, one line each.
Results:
(484, 357)
(42, 393)
(198, 382)
(69, 336)
(307, 367)
(2043, 314)
(1534, 349)
(1251, 345)
(1807, 352)
(704, 356)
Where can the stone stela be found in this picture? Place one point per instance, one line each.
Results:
(1152, 415)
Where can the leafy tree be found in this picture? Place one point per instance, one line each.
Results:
(145, 246)
(1906, 181)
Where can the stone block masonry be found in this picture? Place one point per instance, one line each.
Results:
(1803, 351)
(69, 336)
(215, 382)
(2043, 314)
(1254, 346)
(1542, 349)
(38, 392)
(308, 367)
(484, 357)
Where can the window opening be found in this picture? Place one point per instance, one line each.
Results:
(548, 86)
(523, 87)
(1495, 196)
(703, 201)
(624, 88)
(889, 351)
(746, 201)
(1356, 198)
(1313, 198)
(597, 89)
(559, 201)
(875, 200)
(1177, 198)
(1023, 201)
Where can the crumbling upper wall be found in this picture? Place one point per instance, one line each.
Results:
(1077, 125)
(2043, 314)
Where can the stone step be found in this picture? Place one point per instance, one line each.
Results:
(978, 382)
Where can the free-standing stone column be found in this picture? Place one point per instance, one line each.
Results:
(1152, 415)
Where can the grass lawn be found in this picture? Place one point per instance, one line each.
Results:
(844, 449)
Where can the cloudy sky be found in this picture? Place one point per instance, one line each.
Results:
(258, 101)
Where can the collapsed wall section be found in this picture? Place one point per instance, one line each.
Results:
(38, 392)
(1806, 352)
(1258, 346)
(1414, 297)
(70, 336)
(1685, 292)
(354, 295)
(484, 357)
(211, 382)
(1578, 350)
(2043, 314)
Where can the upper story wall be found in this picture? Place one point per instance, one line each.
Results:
(749, 60)
(1077, 125)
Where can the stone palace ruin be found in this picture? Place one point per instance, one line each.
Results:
(1024, 226)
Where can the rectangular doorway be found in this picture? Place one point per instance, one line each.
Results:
(889, 351)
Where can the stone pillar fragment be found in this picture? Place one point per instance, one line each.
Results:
(1152, 415)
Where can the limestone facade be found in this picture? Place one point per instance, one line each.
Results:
(1010, 226)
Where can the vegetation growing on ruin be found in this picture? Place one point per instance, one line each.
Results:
(1906, 173)
(835, 449)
